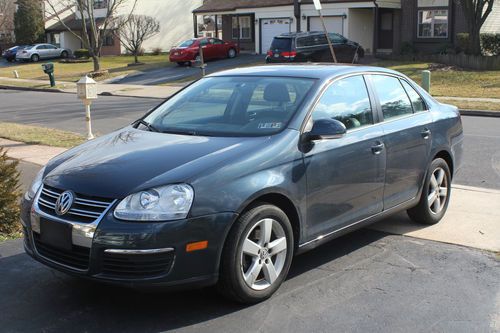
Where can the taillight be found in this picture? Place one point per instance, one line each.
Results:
(290, 54)
(270, 53)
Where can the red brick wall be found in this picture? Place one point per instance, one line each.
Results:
(115, 49)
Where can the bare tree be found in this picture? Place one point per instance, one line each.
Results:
(475, 12)
(134, 30)
(6, 13)
(93, 29)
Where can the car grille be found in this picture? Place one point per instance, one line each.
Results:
(78, 257)
(85, 209)
(130, 266)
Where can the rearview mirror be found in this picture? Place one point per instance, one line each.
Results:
(326, 128)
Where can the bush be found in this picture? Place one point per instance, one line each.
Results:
(82, 53)
(490, 44)
(407, 49)
(156, 51)
(9, 194)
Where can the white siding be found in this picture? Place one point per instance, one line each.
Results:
(176, 20)
(492, 23)
(361, 27)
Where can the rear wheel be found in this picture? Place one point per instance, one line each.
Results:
(435, 194)
(231, 53)
(35, 57)
(257, 255)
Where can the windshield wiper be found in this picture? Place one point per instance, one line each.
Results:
(180, 132)
(148, 125)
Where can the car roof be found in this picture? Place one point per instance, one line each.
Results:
(302, 34)
(321, 71)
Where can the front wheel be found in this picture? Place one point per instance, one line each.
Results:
(64, 54)
(435, 194)
(257, 255)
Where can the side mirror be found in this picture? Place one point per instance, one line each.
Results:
(327, 128)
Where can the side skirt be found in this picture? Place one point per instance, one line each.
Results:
(304, 247)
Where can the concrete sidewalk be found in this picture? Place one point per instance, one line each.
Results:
(472, 219)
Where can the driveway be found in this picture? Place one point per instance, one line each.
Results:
(177, 73)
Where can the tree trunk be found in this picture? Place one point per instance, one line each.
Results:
(136, 58)
(97, 64)
(474, 41)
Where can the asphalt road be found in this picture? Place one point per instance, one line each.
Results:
(481, 164)
(176, 73)
(66, 112)
(364, 282)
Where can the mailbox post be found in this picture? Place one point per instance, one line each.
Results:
(48, 69)
(87, 92)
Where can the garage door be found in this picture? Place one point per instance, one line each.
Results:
(271, 28)
(333, 24)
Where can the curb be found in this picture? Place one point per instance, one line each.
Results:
(52, 90)
(480, 113)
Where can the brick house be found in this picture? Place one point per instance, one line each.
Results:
(380, 26)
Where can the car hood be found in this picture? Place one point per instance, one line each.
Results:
(131, 160)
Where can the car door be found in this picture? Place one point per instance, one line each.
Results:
(208, 49)
(342, 51)
(406, 124)
(345, 176)
(219, 48)
(53, 51)
(41, 50)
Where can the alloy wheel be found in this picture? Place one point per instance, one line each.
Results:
(438, 191)
(232, 53)
(263, 254)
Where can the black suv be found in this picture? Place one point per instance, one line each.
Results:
(313, 46)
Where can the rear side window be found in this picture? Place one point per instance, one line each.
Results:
(313, 40)
(393, 98)
(346, 100)
(281, 44)
(416, 101)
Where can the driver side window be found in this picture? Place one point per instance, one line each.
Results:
(346, 100)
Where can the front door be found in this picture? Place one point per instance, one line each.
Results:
(345, 176)
(385, 29)
(406, 137)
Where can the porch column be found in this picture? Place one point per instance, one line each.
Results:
(195, 25)
(216, 27)
(296, 13)
(375, 29)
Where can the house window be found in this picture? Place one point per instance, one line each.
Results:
(241, 27)
(108, 39)
(433, 23)
(98, 4)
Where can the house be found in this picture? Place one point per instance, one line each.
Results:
(174, 17)
(380, 26)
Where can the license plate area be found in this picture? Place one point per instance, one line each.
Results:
(56, 234)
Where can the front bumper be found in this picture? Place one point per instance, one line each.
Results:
(172, 265)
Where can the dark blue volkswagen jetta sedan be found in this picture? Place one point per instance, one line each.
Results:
(231, 177)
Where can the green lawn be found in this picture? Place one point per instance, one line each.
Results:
(117, 65)
(450, 82)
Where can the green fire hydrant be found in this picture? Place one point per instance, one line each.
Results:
(48, 69)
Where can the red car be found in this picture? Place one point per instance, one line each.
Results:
(213, 48)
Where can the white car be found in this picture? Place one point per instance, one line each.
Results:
(41, 51)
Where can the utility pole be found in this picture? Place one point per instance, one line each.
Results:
(317, 5)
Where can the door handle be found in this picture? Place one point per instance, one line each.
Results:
(426, 133)
(377, 149)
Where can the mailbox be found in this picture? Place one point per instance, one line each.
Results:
(86, 88)
(48, 68)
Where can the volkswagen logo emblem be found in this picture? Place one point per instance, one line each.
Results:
(64, 202)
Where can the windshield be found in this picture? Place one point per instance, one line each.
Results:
(187, 43)
(232, 106)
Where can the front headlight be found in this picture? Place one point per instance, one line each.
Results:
(35, 185)
(171, 202)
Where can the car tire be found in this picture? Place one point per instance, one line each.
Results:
(435, 195)
(251, 271)
(35, 58)
(181, 63)
(64, 54)
(231, 53)
(197, 58)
